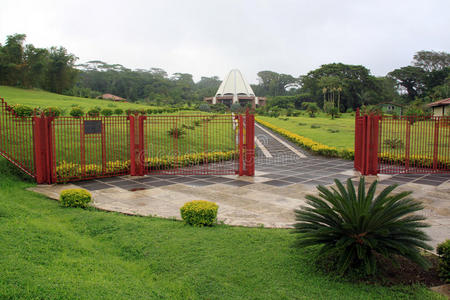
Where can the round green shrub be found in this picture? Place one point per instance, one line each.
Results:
(107, 112)
(52, 111)
(204, 107)
(443, 250)
(149, 111)
(199, 213)
(75, 198)
(93, 112)
(23, 110)
(77, 112)
(118, 111)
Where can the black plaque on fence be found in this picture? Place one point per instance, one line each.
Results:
(93, 127)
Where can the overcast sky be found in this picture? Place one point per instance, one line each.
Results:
(207, 38)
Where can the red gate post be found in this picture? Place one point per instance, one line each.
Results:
(43, 149)
(373, 145)
(141, 154)
(357, 149)
(241, 145)
(436, 144)
(249, 144)
(132, 147)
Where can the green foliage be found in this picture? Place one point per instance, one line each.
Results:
(199, 213)
(93, 112)
(394, 143)
(301, 124)
(204, 107)
(23, 110)
(443, 250)
(76, 112)
(75, 198)
(176, 132)
(333, 112)
(107, 112)
(52, 111)
(118, 111)
(354, 225)
(236, 108)
(314, 126)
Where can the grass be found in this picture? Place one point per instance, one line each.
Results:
(40, 98)
(307, 127)
(51, 252)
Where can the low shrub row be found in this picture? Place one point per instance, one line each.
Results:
(309, 144)
(425, 161)
(69, 170)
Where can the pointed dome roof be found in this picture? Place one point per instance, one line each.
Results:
(234, 84)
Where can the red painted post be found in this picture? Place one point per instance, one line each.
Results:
(250, 144)
(373, 145)
(436, 144)
(357, 148)
(141, 153)
(43, 150)
(241, 145)
(132, 147)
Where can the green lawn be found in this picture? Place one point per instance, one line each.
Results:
(50, 252)
(40, 98)
(301, 125)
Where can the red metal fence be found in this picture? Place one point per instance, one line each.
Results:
(406, 144)
(17, 138)
(61, 149)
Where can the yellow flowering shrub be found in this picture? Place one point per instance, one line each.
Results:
(309, 144)
(199, 213)
(75, 198)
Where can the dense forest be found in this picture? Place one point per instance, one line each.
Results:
(343, 86)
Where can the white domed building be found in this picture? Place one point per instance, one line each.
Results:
(234, 89)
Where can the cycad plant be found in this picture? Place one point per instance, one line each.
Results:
(355, 225)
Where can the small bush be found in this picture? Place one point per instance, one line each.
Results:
(236, 107)
(188, 127)
(197, 123)
(52, 111)
(76, 112)
(443, 250)
(199, 213)
(284, 119)
(150, 111)
(107, 112)
(75, 198)
(204, 107)
(142, 111)
(314, 126)
(176, 132)
(333, 130)
(93, 112)
(111, 105)
(302, 124)
(118, 111)
(23, 110)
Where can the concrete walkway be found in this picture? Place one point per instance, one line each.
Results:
(268, 199)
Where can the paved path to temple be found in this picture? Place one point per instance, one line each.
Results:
(284, 175)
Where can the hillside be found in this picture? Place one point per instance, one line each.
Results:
(39, 98)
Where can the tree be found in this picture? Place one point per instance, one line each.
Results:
(273, 84)
(431, 60)
(411, 78)
(61, 73)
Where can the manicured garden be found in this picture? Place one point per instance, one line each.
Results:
(49, 251)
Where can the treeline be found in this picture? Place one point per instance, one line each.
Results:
(30, 67)
(335, 85)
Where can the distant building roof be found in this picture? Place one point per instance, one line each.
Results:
(112, 97)
(440, 102)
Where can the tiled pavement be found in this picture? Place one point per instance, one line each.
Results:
(269, 198)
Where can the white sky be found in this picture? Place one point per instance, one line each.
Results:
(207, 38)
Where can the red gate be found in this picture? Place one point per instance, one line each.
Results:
(406, 144)
(61, 149)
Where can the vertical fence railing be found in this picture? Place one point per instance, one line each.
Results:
(61, 149)
(17, 139)
(414, 144)
(406, 144)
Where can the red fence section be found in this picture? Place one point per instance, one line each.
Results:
(61, 149)
(17, 139)
(406, 144)
(414, 144)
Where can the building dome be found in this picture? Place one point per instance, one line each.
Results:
(234, 84)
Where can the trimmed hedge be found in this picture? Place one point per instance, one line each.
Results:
(309, 144)
(75, 198)
(199, 213)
